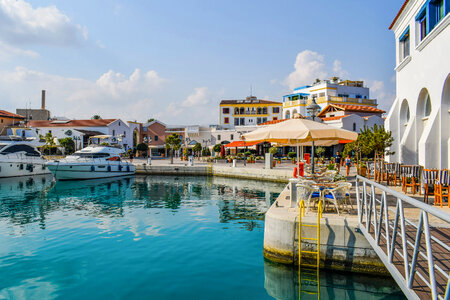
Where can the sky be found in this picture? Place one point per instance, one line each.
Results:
(176, 60)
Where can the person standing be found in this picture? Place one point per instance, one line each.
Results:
(131, 156)
(337, 161)
(348, 163)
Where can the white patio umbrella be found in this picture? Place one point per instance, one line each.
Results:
(300, 132)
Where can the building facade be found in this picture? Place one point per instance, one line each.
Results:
(420, 115)
(249, 112)
(81, 130)
(9, 119)
(333, 91)
(351, 117)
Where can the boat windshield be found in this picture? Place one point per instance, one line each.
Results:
(2, 146)
(90, 155)
(28, 150)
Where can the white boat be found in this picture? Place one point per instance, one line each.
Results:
(19, 155)
(100, 160)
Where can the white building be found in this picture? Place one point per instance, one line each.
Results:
(333, 91)
(419, 117)
(351, 117)
(249, 112)
(81, 130)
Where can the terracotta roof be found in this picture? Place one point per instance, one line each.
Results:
(272, 122)
(72, 123)
(398, 14)
(334, 118)
(350, 107)
(259, 101)
(7, 114)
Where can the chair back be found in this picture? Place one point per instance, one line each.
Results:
(340, 191)
(304, 192)
(444, 177)
(430, 176)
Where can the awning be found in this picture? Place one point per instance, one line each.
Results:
(345, 141)
(240, 144)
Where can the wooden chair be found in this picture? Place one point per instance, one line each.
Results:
(441, 188)
(429, 179)
(393, 175)
(370, 169)
(412, 178)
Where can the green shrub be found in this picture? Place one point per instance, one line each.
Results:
(292, 155)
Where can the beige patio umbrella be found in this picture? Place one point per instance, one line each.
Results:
(300, 132)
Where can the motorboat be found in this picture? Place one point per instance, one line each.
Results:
(19, 155)
(97, 160)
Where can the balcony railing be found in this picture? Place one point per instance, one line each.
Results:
(332, 99)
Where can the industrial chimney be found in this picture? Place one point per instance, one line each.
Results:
(43, 100)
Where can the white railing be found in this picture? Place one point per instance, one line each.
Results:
(410, 261)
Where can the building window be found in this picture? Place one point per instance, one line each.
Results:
(231, 136)
(275, 110)
(236, 111)
(156, 138)
(259, 110)
(2, 120)
(226, 120)
(242, 121)
(50, 131)
(226, 110)
(119, 123)
(275, 118)
(236, 122)
(404, 44)
(354, 126)
(218, 137)
(124, 134)
(114, 132)
(264, 120)
(264, 110)
(241, 110)
(258, 120)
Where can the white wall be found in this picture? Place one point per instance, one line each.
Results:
(427, 67)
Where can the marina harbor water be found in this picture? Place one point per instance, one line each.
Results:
(198, 237)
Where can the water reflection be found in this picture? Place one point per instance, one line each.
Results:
(282, 283)
(28, 200)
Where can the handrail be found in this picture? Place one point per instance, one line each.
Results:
(387, 235)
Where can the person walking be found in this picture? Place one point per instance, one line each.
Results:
(337, 161)
(131, 156)
(348, 163)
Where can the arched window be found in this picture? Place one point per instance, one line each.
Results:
(354, 126)
(427, 106)
(264, 110)
(287, 114)
(236, 111)
(258, 110)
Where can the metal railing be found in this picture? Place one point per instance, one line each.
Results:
(418, 268)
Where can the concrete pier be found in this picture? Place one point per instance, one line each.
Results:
(342, 246)
(221, 170)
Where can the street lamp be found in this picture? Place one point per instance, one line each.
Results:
(313, 109)
(148, 140)
(206, 143)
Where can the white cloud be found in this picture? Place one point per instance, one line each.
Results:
(385, 97)
(199, 97)
(111, 95)
(8, 51)
(309, 65)
(21, 24)
(338, 70)
(138, 96)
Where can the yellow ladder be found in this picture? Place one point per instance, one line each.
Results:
(209, 167)
(311, 275)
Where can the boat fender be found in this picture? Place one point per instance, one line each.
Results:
(109, 168)
(128, 168)
(92, 168)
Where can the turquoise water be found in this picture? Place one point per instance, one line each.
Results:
(149, 237)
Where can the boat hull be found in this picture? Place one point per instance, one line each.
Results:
(16, 169)
(76, 171)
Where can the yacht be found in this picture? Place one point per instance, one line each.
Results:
(19, 155)
(101, 160)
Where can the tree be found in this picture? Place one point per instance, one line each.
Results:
(217, 148)
(150, 120)
(197, 148)
(96, 117)
(273, 150)
(142, 147)
(173, 142)
(68, 144)
(49, 143)
(320, 151)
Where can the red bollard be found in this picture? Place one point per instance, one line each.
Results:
(307, 157)
(295, 173)
(301, 169)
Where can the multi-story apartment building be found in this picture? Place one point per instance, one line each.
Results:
(249, 112)
(333, 91)
(420, 115)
